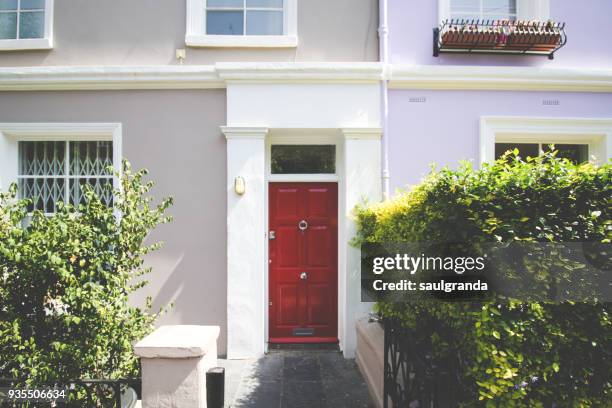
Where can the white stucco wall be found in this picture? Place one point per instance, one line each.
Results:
(345, 113)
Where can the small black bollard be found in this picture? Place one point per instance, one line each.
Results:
(215, 387)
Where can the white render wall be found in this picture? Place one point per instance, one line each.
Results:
(245, 242)
(304, 105)
(347, 114)
(363, 181)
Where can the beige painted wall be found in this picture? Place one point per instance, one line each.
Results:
(142, 32)
(176, 135)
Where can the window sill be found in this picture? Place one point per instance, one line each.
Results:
(26, 44)
(237, 41)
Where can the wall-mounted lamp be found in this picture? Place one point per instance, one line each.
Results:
(239, 185)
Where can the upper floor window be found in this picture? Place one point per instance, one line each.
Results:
(25, 24)
(244, 17)
(483, 9)
(241, 23)
(514, 10)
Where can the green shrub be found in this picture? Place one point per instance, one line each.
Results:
(513, 353)
(65, 281)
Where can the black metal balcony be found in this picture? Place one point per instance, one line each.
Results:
(499, 37)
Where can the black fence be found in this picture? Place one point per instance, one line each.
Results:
(85, 393)
(415, 376)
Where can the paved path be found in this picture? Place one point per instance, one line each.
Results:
(295, 379)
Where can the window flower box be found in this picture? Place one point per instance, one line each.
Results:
(499, 36)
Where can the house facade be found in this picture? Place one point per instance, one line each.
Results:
(268, 121)
(463, 105)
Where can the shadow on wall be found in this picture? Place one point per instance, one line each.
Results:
(178, 282)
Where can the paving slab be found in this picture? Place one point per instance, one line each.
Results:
(295, 379)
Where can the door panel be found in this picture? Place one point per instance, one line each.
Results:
(303, 271)
(288, 246)
(288, 310)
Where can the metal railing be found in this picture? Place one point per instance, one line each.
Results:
(413, 376)
(499, 37)
(105, 393)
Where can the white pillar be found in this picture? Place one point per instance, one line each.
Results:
(362, 182)
(245, 242)
(174, 362)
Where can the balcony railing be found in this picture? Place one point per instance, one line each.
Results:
(499, 37)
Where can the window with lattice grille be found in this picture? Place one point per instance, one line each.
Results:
(56, 171)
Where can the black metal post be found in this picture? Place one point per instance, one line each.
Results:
(215, 387)
(436, 38)
(117, 389)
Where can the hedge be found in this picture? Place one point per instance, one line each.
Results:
(513, 353)
(65, 282)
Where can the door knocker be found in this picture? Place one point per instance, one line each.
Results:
(302, 225)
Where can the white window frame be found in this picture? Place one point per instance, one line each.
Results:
(196, 30)
(313, 140)
(13, 133)
(44, 43)
(594, 132)
(525, 10)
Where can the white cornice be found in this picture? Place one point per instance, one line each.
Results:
(219, 75)
(362, 133)
(233, 132)
(301, 72)
(499, 78)
(108, 77)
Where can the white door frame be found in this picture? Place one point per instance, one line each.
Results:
(358, 176)
(303, 137)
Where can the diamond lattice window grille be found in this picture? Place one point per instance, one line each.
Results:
(50, 172)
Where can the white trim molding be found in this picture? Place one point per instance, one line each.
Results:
(596, 132)
(499, 78)
(362, 133)
(182, 76)
(196, 36)
(231, 132)
(339, 72)
(44, 43)
(108, 77)
(219, 75)
(12, 133)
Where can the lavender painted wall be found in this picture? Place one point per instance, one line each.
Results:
(588, 29)
(445, 128)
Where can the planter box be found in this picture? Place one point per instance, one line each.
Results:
(370, 356)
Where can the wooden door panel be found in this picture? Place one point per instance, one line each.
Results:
(287, 203)
(317, 200)
(319, 296)
(287, 312)
(288, 240)
(303, 264)
(319, 246)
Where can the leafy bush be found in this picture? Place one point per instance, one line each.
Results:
(65, 281)
(511, 353)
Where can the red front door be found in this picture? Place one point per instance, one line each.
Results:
(303, 262)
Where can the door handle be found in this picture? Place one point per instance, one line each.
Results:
(303, 276)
